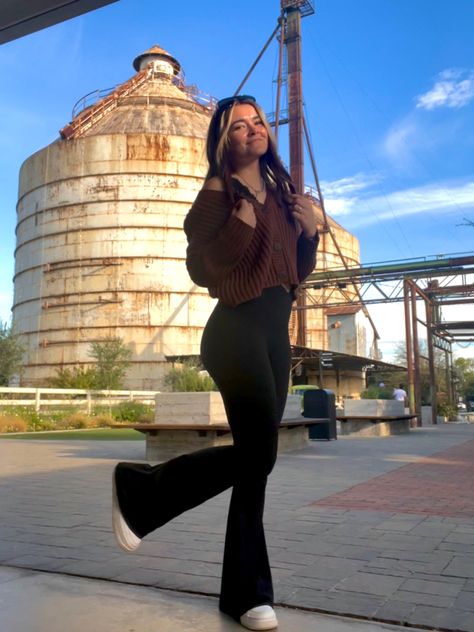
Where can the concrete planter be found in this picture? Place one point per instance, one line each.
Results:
(362, 428)
(365, 418)
(204, 408)
(373, 407)
(190, 408)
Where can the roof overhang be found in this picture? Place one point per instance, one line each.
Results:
(335, 361)
(331, 360)
(22, 17)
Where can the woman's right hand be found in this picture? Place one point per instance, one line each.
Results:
(245, 211)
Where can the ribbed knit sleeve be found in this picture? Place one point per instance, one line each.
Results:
(306, 255)
(217, 240)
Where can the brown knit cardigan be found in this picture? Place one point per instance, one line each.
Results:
(236, 261)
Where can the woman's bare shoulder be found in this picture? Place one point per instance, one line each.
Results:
(214, 184)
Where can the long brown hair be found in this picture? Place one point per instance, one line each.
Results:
(274, 173)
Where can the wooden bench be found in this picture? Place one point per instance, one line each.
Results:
(375, 425)
(164, 441)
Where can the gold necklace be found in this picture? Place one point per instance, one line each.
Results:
(252, 189)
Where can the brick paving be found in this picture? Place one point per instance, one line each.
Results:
(329, 551)
(439, 485)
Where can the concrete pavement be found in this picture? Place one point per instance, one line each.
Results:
(38, 602)
(378, 529)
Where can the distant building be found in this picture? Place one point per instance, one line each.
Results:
(347, 328)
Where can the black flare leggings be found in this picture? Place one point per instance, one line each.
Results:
(246, 351)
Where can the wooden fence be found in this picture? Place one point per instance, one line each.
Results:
(40, 398)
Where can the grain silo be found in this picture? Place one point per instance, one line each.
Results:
(100, 245)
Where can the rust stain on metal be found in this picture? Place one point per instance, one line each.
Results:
(147, 147)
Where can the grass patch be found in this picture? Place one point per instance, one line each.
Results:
(94, 434)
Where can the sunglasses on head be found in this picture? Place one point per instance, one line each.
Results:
(239, 98)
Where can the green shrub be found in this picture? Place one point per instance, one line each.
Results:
(34, 420)
(136, 412)
(377, 392)
(11, 354)
(448, 410)
(188, 378)
(24, 419)
(77, 377)
(78, 421)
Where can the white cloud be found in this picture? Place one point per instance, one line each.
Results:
(454, 88)
(340, 196)
(451, 73)
(344, 186)
(413, 134)
(340, 206)
(434, 199)
(400, 140)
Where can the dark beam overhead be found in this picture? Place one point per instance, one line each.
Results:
(22, 17)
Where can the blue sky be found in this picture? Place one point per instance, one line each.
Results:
(388, 88)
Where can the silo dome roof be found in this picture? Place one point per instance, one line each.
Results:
(154, 101)
(158, 53)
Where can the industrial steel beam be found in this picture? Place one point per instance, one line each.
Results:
(22, 17)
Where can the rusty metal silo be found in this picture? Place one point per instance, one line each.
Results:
(100, 245)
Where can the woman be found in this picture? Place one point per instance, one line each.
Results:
(252, 240)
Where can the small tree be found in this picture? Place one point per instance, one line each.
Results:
(439, 361)
(464, 371)
(11, 354)
(113, 359)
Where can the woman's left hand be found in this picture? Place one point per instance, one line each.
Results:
(303, 210)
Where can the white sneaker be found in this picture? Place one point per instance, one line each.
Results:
(126, 539)
(259, 618)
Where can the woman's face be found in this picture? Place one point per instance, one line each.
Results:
(248, 138)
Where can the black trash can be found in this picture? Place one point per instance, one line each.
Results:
(321, 403)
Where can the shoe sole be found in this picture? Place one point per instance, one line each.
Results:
(259, 625)
(256, 624)
(126, 539)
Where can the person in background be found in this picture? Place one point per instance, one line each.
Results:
(400, 395)
(251, 241)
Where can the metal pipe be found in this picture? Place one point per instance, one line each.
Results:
(447, 373)
(416, 353)
(295, 116)
(429, 338)
(411, 387)
(280, 73)
(242, 83)
(295, 98)
(425, 266)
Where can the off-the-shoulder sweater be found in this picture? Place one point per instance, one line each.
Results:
(236, 261)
